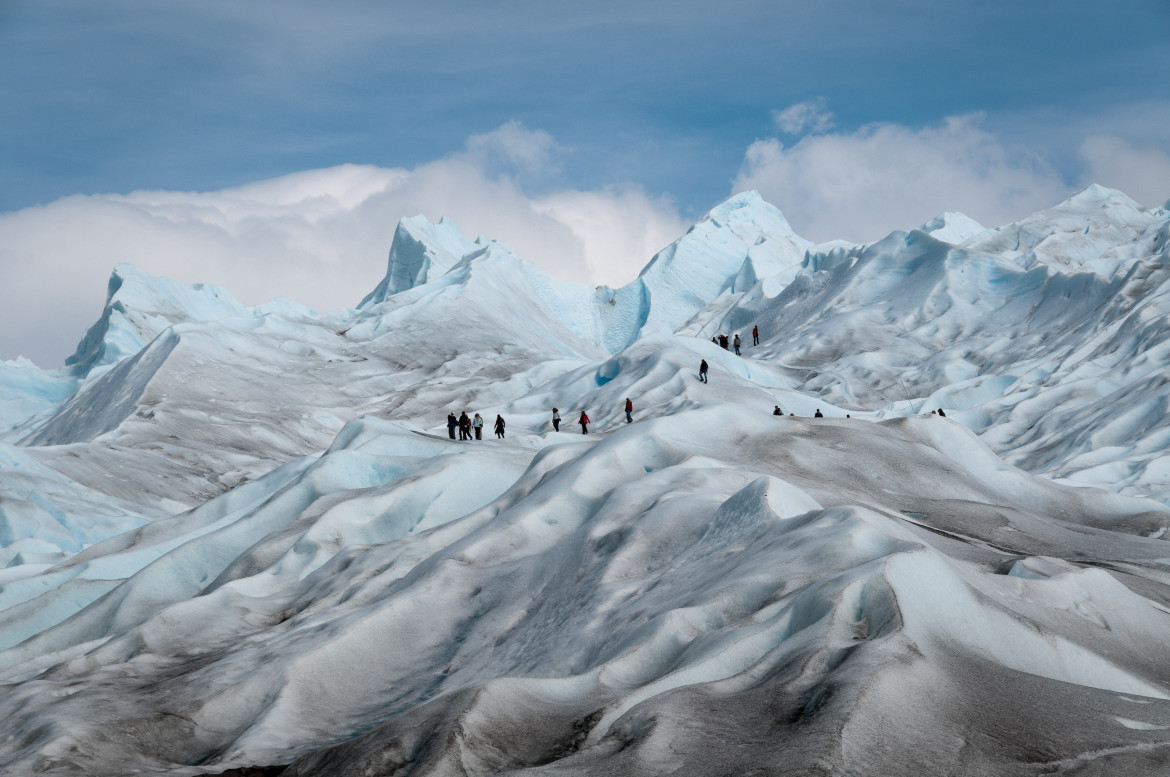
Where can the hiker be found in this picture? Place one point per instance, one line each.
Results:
(499, 426)
(629, 410)
(777, 411)
(703, 370)
(735, 343)
(556, 420)
(584, 421)
(818, 414)
(452, 423)
(723, 342)
(940, 412)
(755, 335)
(477, 425)
(715, 339)
(464, 426)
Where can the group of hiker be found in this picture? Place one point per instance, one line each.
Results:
(467, 426)
(819, 414)
(723, 342)
(471, 425)
(583, 420)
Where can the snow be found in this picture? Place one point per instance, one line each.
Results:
(237, 537)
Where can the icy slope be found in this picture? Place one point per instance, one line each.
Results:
(736, 244)
(1093, 230)
(1060, 367)
(698, 592)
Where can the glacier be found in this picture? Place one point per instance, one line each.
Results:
(238, 540)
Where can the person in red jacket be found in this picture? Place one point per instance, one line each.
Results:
(584, 421)
(629, 410)
(755, 335)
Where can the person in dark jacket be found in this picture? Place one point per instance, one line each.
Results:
(584, 421)
(556, 420)
(499, 426)
(452, 424)
(818, 414)
(703, 370)
(940, 412)
(723, 342)
(629, 410)
(755, 335)
(464, 426)
(777, 411)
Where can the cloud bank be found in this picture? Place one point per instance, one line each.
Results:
(320, 237)
(860, 185)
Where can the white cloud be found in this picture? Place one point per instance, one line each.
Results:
(618, 230)
(812, 116)
(318, 237)
(1142, 172)
(862, 185)
(532, 151)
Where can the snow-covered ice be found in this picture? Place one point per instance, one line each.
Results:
(240, 538)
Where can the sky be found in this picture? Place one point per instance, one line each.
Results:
(271, 147)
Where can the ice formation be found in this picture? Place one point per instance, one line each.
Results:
(240, 538)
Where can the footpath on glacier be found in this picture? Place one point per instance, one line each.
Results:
(239, 538)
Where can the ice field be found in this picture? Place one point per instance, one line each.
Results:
(239, 540)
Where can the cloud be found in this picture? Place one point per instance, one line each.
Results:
(319, 237)
(861, 185)
(619, 230)
(812, 116)
(1142, 172)
(532, 151)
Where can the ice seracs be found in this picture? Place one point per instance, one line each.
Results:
(421, 251)
(1090, 231)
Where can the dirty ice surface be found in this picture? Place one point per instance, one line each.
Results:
(241, 537)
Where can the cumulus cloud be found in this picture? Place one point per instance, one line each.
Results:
(861, 185)
(1142, 172)
(531, 151)
(318, 237)
(812, 116)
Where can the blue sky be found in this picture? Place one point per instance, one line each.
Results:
(853, 117)
(117, 96)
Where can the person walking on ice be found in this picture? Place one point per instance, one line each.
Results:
(629, 410)
(735, 343)
(703, 370)
(477, 425)
(584, 421)
(755, 335)
(556, 420)
(452, 424)
(499, 426)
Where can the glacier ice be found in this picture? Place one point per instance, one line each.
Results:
(240, 537)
